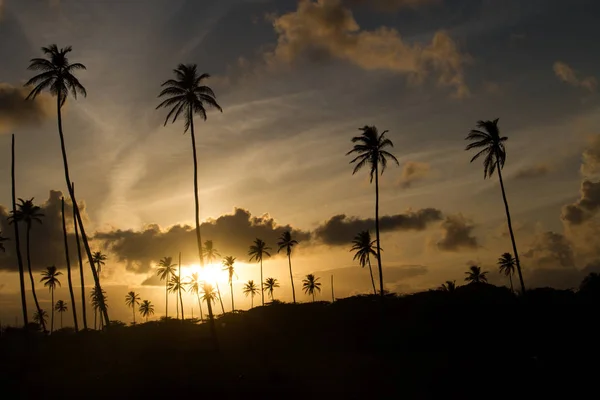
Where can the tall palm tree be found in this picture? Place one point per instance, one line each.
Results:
(176, 286)
(18, 237)
(194, 287)
(68, 260)
(50, 279)
(311, 284)
(370, 149)
(211, 255)
(99, 300)
(58, 77)
(506, 266)
(487, 140)
(27, 213)
(99, 260)
(474, 275)
(364, 248)
(146, 309)
(228, 262)
(165, 269)
(257, 252)
(61, 307)
(132, 299)
(286, 242)
(270, 285)
(81, 278)
(250, 289)
(40, 317)
(448, 286)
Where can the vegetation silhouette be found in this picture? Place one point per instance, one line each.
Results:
(50, 280)
(258, 251)
(475, 275)
(269, 286)
(132, 299)
(146, 309)
(99, 260)
(81, 277)
(98, 301)
(363, 248)
(286, 243)
(165, 269)
(194, 287)
(61, 307)
(40, 317)
(311, 284)
(250, 289)
(506, 266)
(68, 261)
(448, 286)
(228, 262)
(176, 286)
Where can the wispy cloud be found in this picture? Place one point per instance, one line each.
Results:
(567, 74)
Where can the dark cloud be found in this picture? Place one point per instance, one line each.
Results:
(587, 205)
(457, 234)
(533, 171)
(550, 250)
(340, 229)
(392, 5)
(413, 171)
(591, 157)
(15, 111)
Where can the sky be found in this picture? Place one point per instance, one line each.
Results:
(296, 80)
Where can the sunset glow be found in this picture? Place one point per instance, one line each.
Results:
(211, 273)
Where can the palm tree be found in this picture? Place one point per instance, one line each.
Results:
(257, 252)
(68, 260)
(132, 299)
(370, 149)
(165, 269)
(57, 76)
(474, 275)
(228, 262)
(311, 285)
(61, 307)
(99, 260)
(83, 306)
(194, 287)
(176, 286)
(17, 236)
(506, 266)
(489, 143)
(286, 242)
(50, 279)
(250, 289)
(270, 285)
(364, 248)
(40, 317)
(448, 286)
(211, 255)
(209, 294)
(146, 309)
(27, 212)
(98, 297)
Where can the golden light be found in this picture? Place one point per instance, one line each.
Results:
(211, 273)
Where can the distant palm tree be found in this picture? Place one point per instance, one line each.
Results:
(146, 309)
(506, 266)
(270, 285)
(311, 285)
(40, 317)
(370, 149)
(27, 213)
(250, 289)
(132, 299)
(209, 293)
(474, 275)
(165, 269)
(211, 255)
(257, 252)
(61, 307)
(448, 286)
(364, 248)
(286, 242)
(490, 144)
(194, 287)
(50, 279)
(57, 76)
(176, 285)
(228, 262)
(98, 297)
(99, 260)
(68, 261)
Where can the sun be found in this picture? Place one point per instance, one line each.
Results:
(211, 273)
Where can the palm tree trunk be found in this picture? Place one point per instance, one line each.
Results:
(510, 229)
(167, 296)
(252, 301)
(83, 306)
(377, 228)
(262, 292)
(313, 296)
(68, 260)
(86, 245)
(197, 201)
(52, 320)
(200, 306)
(371, 272)
(332, 292)
(292, 277)
(95, 319)
(18, 238)
(231, 288)
(35, 299)
(133, 312)
(180, 283)
(61, 321)
(220, 299)
(511, 284)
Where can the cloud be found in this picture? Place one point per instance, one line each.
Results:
(413, 171)
(533, 171)
(1, 9)
(457, 234)
(16, 112)
(565, 73)
(392, 5)
(325, 29)
(339, 230)
(587, 205)
(591, 157)
(550, 250)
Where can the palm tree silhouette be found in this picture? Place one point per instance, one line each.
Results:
(27, 212)
(68, 260)
(98, 297)
(194, 287)
(146, 309)
(81, 278)
(250, 289)
(99, 260)
(474, 275)
(270, 285)
(40, 317)
(286, 242)
(364, 248)
(57, 76)
(17, 236)
(228, 262)
(61, 307)
(257, 252)
(50, 279)
(132, 299)
(165, 269)
(370, 149)
(311, 285)
(211, 255)
(489, 143)
(176, 286)
(448, 286)
(506, 266)
(209, 294)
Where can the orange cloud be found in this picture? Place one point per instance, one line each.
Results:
(567, 74)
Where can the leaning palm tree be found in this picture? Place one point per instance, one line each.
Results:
(370, 149)
(68, 260)
(18, 237)
(228, 262)
(506, 266)
(61, 307)
(269, 286)
(146, 309)
(98, 300)
(250, 289)
(165, 269)
(50, 279)
(363, 248)
(40, 317)
(489, 143)
(257, 252)
(211, 255)
(132, 299)
(448, 286)
(194, 287)
(81, 277)
(28, 213)
(286, 242)
(474, 275)
(311, 284)
(57, 76)
(176, 285)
